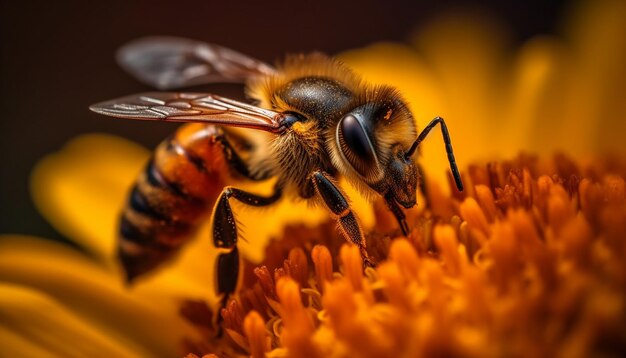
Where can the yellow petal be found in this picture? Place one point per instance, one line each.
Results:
(35, 325)
(82, 188)
(148, 322)
(535, 103)
(466, 53)
(594, 106)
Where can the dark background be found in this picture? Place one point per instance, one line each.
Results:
(57, 58)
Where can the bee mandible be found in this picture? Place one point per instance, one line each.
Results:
(322, 121)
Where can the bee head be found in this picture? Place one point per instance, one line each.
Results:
(371, 142)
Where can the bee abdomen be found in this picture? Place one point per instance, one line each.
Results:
(177, 188)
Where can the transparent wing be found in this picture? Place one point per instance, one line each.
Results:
(191, 107)
(173, 62)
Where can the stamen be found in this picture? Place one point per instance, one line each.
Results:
(323, 265)
(352, 265)
(254, 329)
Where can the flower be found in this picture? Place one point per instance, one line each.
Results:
(528, 261)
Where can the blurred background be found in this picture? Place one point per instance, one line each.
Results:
(58, 57)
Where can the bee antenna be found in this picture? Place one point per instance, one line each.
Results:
(448, 143)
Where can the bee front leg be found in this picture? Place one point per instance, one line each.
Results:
(224, 231)
(396, 210)
(338, 205)
(234, 160)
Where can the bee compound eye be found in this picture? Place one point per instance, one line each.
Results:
(356, 145)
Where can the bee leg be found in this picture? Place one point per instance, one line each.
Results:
(396, 210)
(235, 161)
(338, 205)
(224, 230)
(422, 184)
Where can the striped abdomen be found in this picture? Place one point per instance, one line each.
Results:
(176, 189)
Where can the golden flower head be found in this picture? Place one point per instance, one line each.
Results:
(526, 264)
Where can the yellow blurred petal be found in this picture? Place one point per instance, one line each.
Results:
(595, 107)
(82, 188)
(467, 54)
(34, 325)
(535, 119)
(142, 321)
(16, 345)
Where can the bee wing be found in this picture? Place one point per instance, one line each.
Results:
(173, 62)
(191, 107)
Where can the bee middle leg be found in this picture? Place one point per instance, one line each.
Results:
(338, 205)
(396, 210)
(224, 231)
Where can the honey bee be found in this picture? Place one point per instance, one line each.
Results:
(322, 122)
